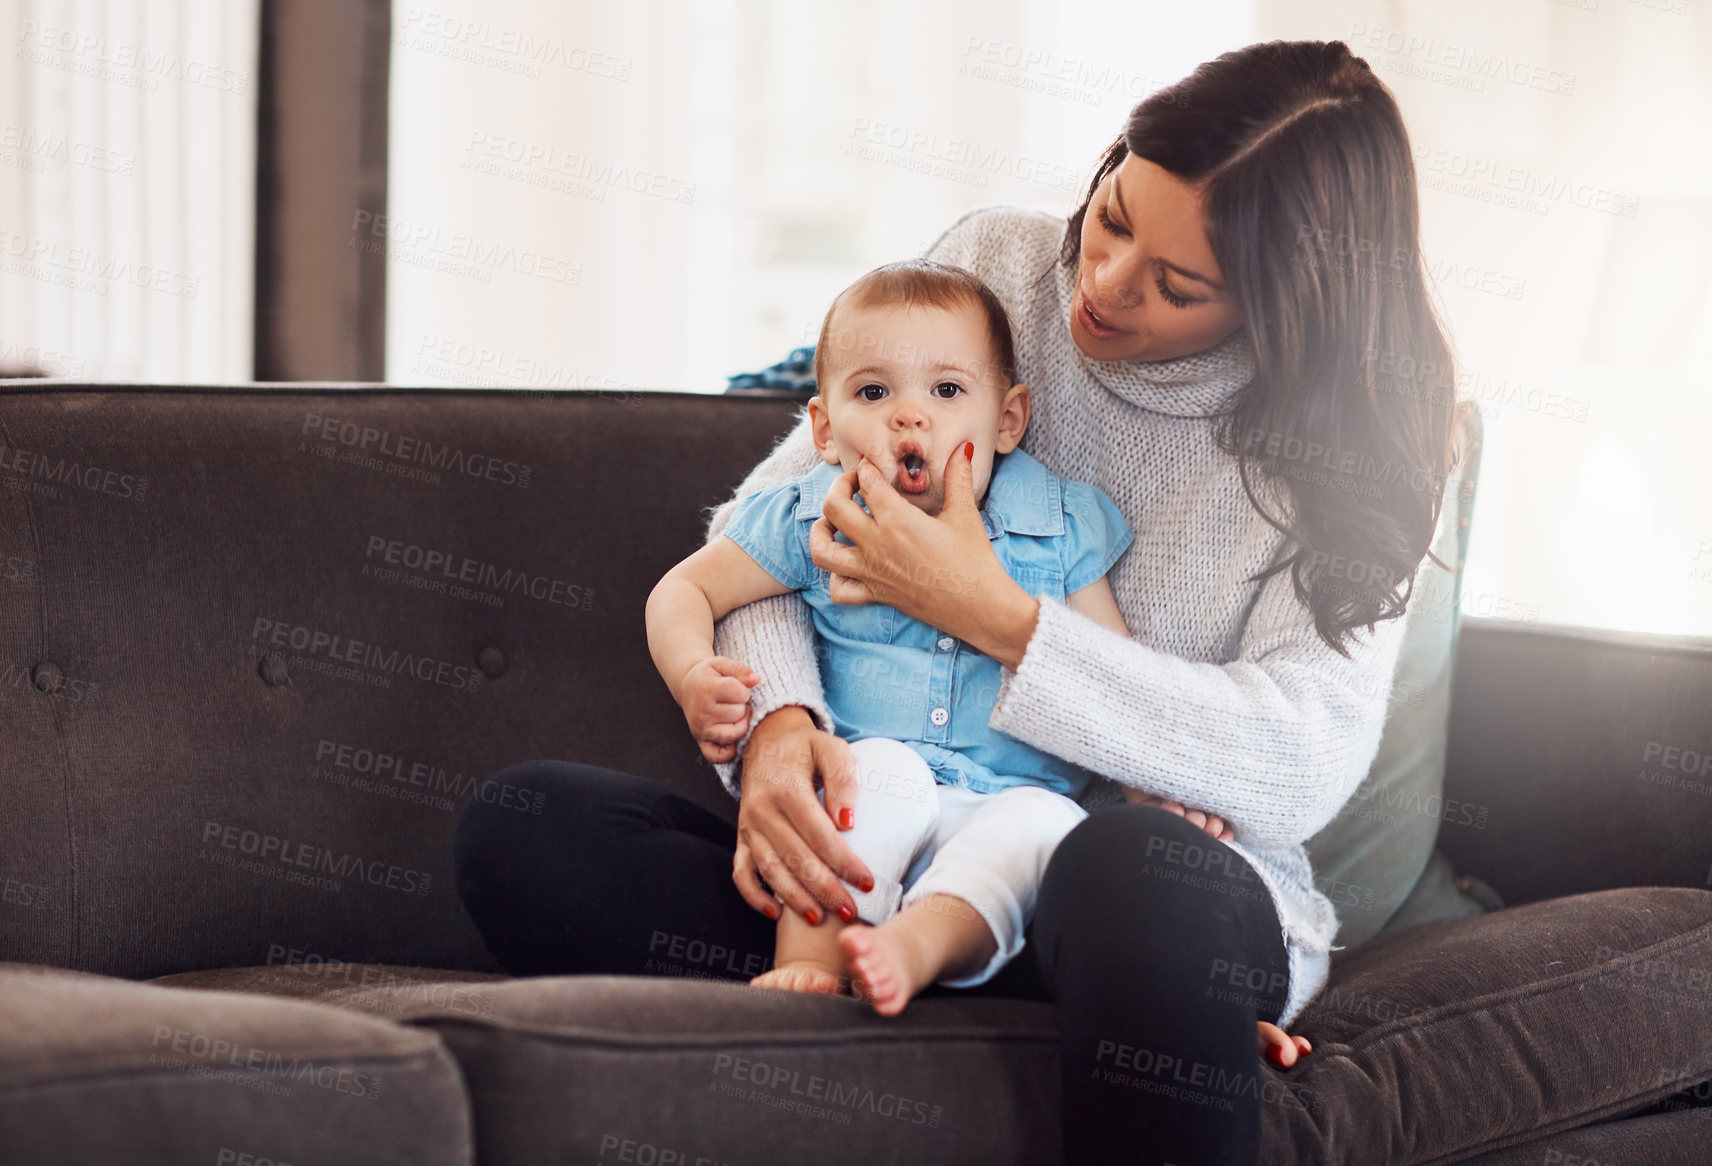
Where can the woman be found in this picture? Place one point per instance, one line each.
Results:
(1200, 338)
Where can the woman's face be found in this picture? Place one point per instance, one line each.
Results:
(1147, 285)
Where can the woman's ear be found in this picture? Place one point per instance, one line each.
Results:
(1013, 418)
(820, 426)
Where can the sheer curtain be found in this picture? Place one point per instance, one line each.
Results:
(127, 188)
(701, 176)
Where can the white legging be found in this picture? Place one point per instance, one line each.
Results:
(921, 838)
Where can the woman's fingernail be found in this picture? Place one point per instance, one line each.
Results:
(813, 916)
(772, 912)
(1275, 1055)
(846, 913)
(867, 884)
(969, 450)
(846, 817)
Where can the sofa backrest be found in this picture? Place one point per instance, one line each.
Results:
(259, 645)
(262, 644)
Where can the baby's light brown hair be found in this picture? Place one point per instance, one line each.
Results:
(912, 283)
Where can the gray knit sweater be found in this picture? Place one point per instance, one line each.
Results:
(1224, 697)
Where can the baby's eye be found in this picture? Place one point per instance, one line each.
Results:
(871, 392)
(946, 390)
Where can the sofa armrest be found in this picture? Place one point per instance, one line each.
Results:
(1580, 760)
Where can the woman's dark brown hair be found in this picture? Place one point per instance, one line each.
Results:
(1344, 437)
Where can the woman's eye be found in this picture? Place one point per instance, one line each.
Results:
(1171, 297)
(871, 392)
(946, 390)
(1106, 222)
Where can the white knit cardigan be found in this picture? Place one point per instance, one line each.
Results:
(1224, 697)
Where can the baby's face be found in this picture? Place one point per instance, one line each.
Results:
(906, 387)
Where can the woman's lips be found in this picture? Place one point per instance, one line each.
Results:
(1098, 328)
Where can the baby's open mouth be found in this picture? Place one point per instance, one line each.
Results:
(912, 471)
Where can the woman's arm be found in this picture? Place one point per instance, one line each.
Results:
(775, 636)
(1096, 602)
(1274, 742)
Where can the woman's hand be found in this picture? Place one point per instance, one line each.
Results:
(784, 834)
(939, 569)
(1211, 823)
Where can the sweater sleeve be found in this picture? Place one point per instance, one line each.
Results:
(774, 636)
(1274, 742)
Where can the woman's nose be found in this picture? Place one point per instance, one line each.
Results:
(1111, 286)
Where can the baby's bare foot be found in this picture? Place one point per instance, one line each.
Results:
(804, 976)
(1279, 1047)
(881, 969)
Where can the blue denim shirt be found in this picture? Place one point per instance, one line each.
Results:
(888, 675)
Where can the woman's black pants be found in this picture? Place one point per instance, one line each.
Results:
(1159, 944)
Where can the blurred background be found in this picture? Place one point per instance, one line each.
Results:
(643, 194)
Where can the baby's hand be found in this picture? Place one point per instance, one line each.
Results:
(1211, 823)
(715, 699)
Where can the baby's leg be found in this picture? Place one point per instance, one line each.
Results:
(897, 808)
(963, 919)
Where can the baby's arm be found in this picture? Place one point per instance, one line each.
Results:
(1095, 601)
(712, 690)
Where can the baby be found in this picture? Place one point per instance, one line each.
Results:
(956, 820)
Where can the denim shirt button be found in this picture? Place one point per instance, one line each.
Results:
(946, 643)
(939, 716)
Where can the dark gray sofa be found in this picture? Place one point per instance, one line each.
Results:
(262, 643)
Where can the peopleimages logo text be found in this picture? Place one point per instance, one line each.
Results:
(366, 438)
(312, 642)
(310, 857)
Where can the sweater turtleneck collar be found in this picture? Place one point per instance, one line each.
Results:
(1198, 385)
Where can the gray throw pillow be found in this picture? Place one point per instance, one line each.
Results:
(1372, 855)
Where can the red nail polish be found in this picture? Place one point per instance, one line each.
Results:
(866, 884)
(1275, 1055)
(846, 914)
(772, 912)
(846, 817)
(813, 916)
(969, 450)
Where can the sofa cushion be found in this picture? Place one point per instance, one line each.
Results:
(630, 1068)
(1474, 1035)
(97, 1071)
(1447, 1042)
(1678, 1138)
(379, 989)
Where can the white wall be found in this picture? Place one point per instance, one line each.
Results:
(1567, 203)
(701, 176)
(790, 140)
